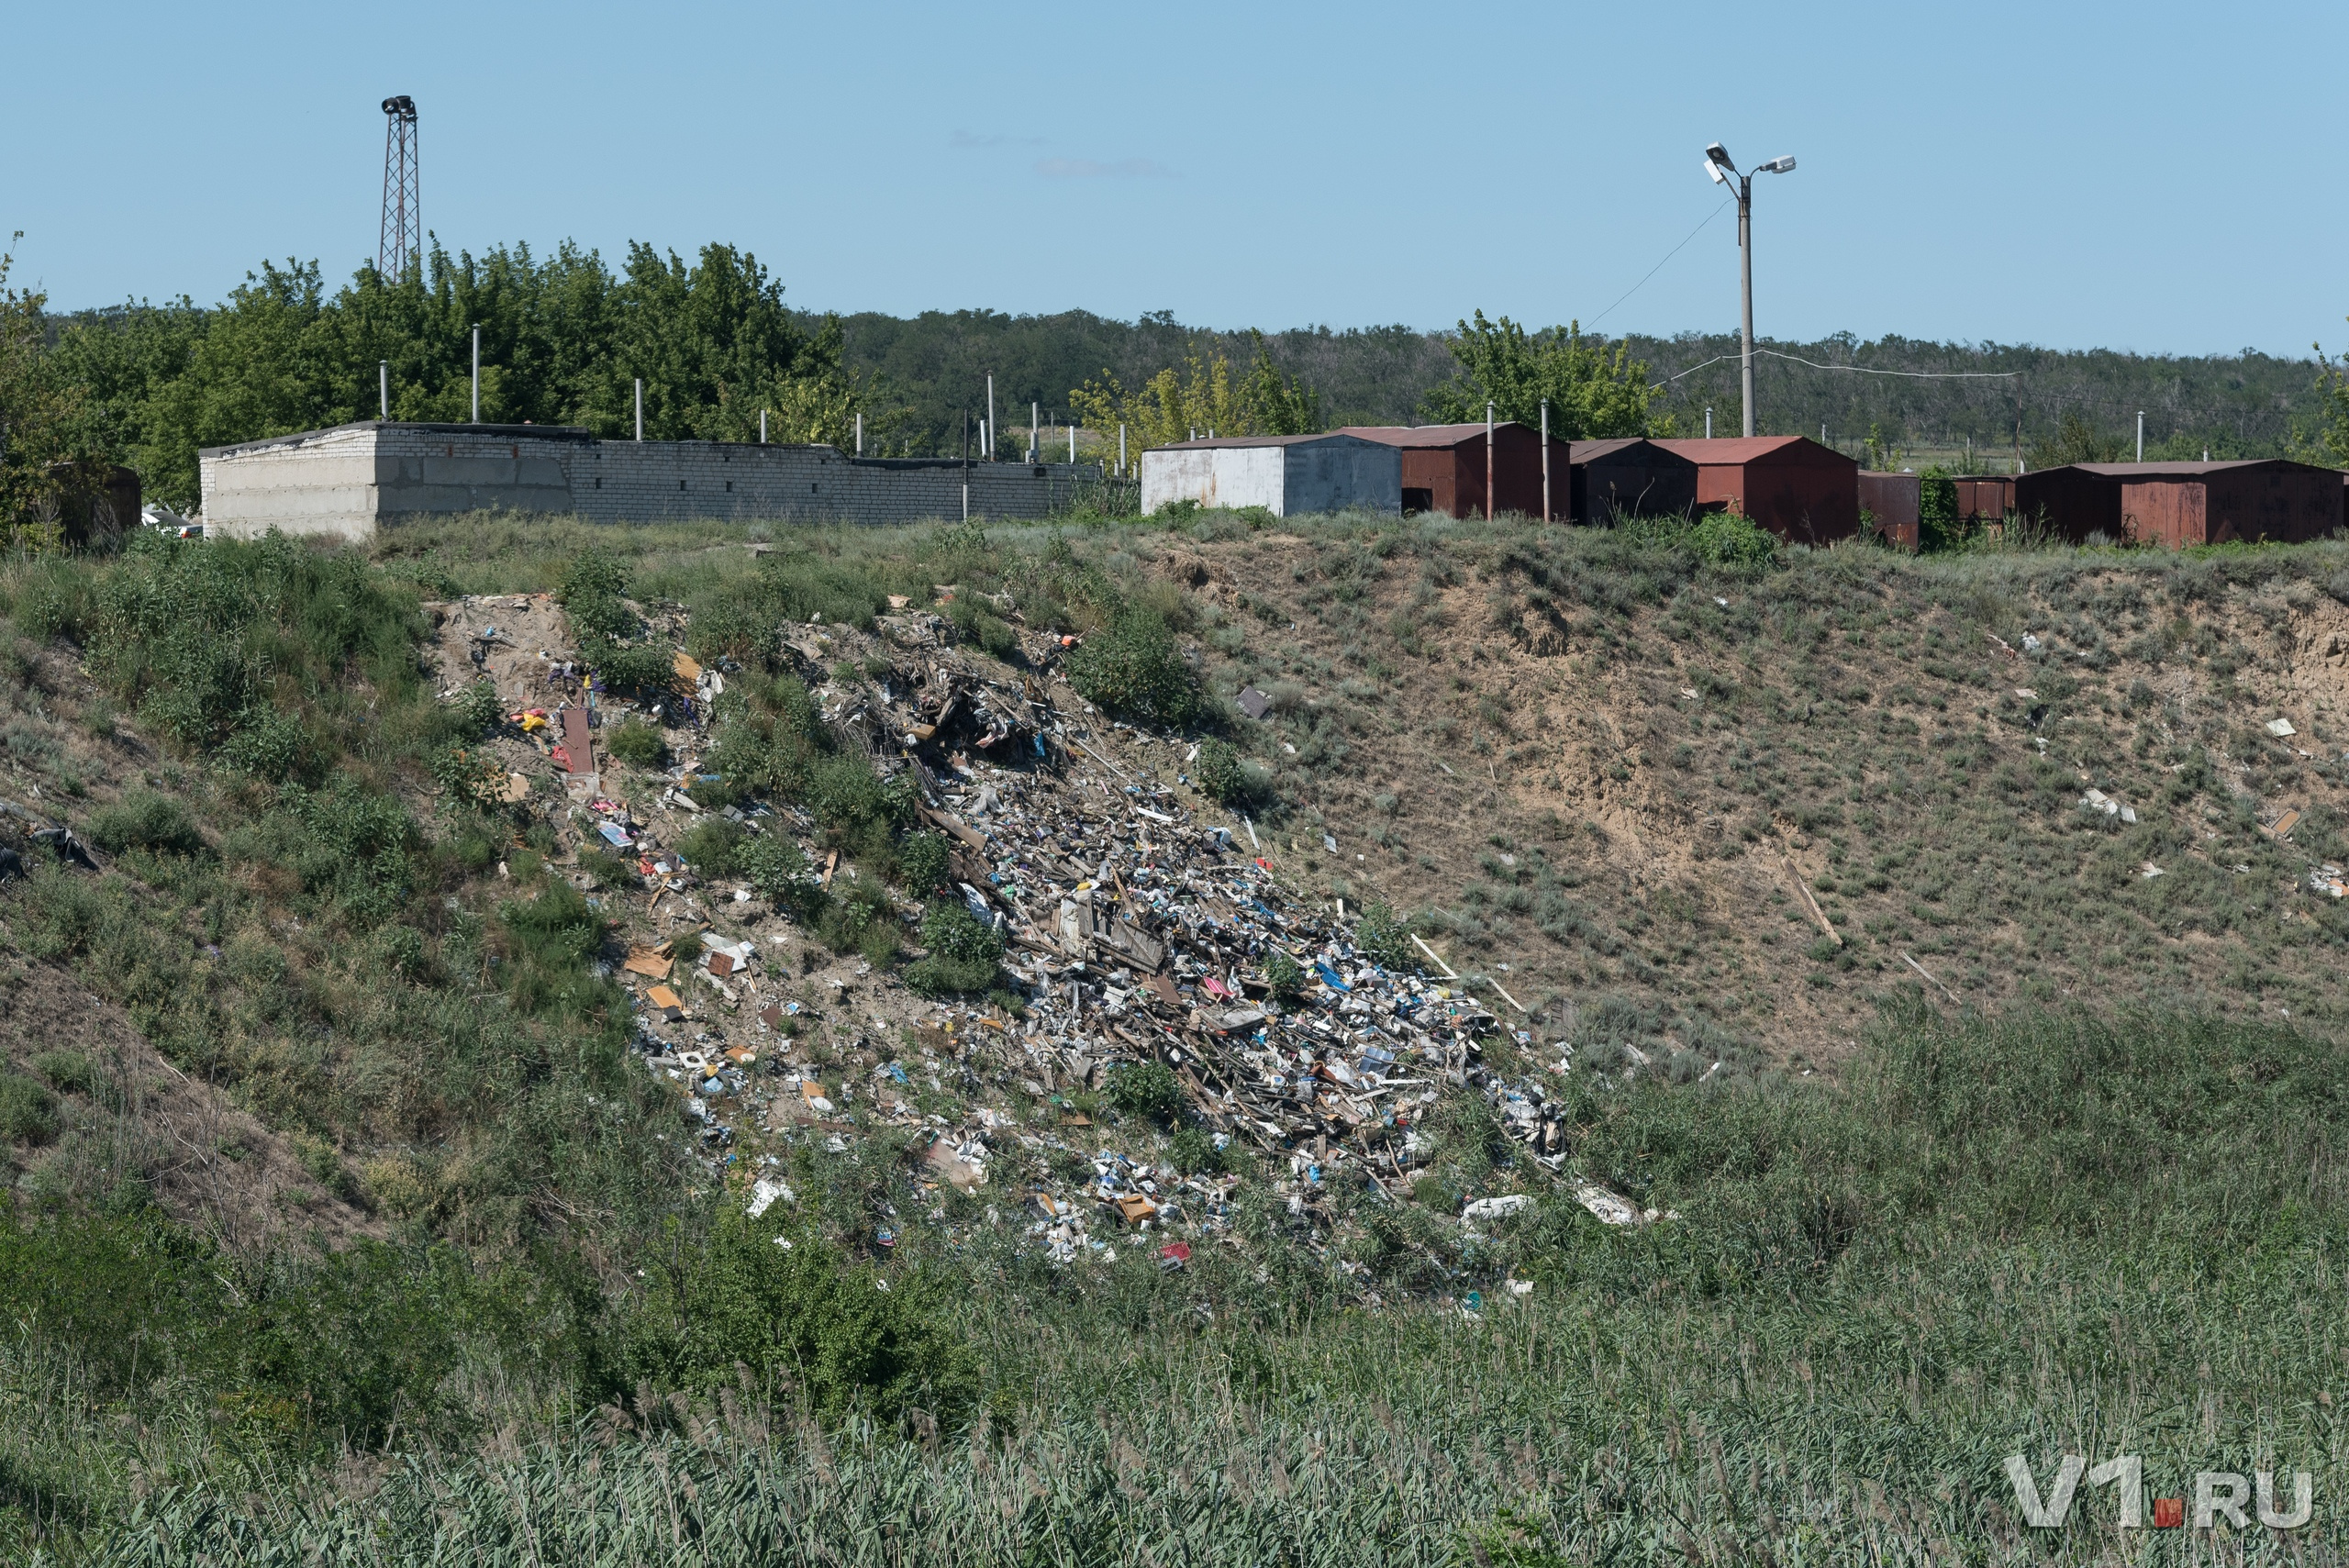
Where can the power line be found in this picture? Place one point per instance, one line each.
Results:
(1917, 375)
(1668, 255)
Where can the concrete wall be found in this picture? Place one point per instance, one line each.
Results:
(1215, 476)
(1290, 478)
(355, 479)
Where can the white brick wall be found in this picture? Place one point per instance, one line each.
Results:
(352, 480)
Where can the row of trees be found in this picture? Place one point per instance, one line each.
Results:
(1593, 392)
(562, 341)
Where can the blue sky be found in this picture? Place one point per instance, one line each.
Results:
(2148, 177)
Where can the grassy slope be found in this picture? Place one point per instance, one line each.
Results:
(2059, 1234)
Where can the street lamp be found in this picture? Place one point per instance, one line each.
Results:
(1718, 165)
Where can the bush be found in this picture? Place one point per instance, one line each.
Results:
(1284, 976)
(143, 819)
(1193, 1152)
(780, 871)
(1221, 776)
(1732, 540)
(806, 1315)
(921, 863)
(981, 625)
(1147, 1089)
(1385, 938)
(635, 741)
(962, 953)
(479, 711)
(713, 846)
(1134, 672)
(28, 1110)
(860, 919)
(69, 1072)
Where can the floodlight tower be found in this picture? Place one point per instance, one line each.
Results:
(1718, 165)
(401, 243)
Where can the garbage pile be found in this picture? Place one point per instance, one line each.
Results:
(1147, 933)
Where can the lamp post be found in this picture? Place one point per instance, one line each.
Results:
(1718, 165)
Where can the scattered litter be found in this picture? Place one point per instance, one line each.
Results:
(2097, 800)
(2026, 693)
(1253, 703)
(1496, 1208)
(2149, 871)
(763, 1195)
(2281, 728)
(2328, 878)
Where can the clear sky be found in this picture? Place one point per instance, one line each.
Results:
(2150, 176)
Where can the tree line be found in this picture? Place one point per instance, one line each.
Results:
(565, 337)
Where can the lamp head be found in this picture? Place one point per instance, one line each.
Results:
(1719, 154)
(1778, 166)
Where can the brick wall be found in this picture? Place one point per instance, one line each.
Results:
(352, 480)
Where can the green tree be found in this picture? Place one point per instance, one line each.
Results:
(37, 409)
(1593, 393)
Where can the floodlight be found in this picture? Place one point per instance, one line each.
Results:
(1715, 170)
(1778, 166)
(1719, 155)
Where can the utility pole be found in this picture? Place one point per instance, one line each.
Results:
(476, 373)
(986, 431)
(2141, 435)
(967, 463)
(1488, 462)
(860, 432)
(1718, 165)
(1035, 416)
(1545, 459)
(383, 387)
(762, 427)
(1709, 423)
(1121, 452)
(639, 409)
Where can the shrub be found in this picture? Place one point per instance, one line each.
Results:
(1193, 1152)
(1732, 540)
(859, 919)
(807, 1314)
(962, 953)
(921, 863)
(469, 779)
(1384, 938)
(779, 870)
(28, 1110)
(635, 741)
(1147, 1089)
(593, 573)
(981, 625)
(1134, 672)
(479, 711)
(713, 846)
(1284, 976)
(547, 941)
(1221, 776)
(144, 819)
(69, 1072)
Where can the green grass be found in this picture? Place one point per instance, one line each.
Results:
(2058, 1235)
(2085, 1229)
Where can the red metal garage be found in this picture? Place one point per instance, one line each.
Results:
(1802, 492)
(2181, 503)
(1443, 467)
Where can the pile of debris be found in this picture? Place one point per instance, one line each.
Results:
(1142, 932)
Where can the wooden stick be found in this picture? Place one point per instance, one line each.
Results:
(1816, 912)
(1922, 970)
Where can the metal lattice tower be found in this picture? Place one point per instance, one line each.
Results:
(402, 241)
